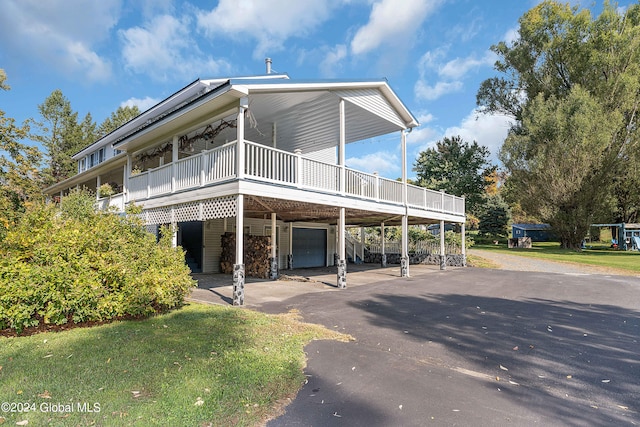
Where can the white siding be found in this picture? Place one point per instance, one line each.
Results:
(327, 155)
(213, 230)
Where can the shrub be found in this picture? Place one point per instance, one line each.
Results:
(73, 264)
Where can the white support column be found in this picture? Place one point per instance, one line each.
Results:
(273, 273)
(174, 159)
(174, 229)
(240, 149)
(341, 148)
(238, 267)
(342, 261)
(383, 255)
(463, 248)
(443, 255)
(98, 184)
(403, 144)
(125, 179)
(362, 242)
(274, 134)
(290, 255)
(404, 259)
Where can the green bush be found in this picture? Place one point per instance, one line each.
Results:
(73, 264)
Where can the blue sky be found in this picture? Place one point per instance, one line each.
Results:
(108, 53)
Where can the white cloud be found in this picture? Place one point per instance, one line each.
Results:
(143, 104)
(511, 36)
(331, 63)
(459, 67)
(269, 23)
(424, 91)
(163, 48)
(391, 23)
(487, 130)
(383, 162)
(59, 33)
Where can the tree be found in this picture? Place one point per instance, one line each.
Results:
(61, 135)
(495, 217)
(458, 168)
(119, 117)
(20, 179)
(572, 84)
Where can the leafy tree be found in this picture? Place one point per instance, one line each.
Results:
(495, 217)
(458, 168)
(20, 179)
(573, 85)
(119, 117)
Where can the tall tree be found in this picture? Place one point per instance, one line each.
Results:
(573, 85)
(20, 180)
(62, 136)
(494, 218)
(119, 117)
(458, 168)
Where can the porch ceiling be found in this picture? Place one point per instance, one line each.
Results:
(293, 210)
(309, 121)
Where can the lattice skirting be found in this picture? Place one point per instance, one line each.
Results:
(220, 207)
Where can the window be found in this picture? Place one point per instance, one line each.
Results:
(92, 160)
(82, 164)
(101, 155)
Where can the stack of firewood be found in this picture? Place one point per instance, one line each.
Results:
(257, 250)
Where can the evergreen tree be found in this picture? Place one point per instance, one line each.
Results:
(495, 217)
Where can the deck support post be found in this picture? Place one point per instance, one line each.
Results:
(443, 255)
(463, 248)
(342, 262)
(404, 259)
(341, 148)
(238, 267)
(383, 255)
(98, 184)
(362, 243)
(273, 271)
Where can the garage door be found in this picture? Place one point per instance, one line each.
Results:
(309, 247)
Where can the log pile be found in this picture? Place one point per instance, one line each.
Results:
(257, 250)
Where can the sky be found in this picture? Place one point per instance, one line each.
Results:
(110, 53)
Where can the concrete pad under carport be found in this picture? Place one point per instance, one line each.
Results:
(218, 288)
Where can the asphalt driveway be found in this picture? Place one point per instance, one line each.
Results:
(474, 347)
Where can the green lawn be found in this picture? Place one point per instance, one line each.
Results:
(200, 365)
(598, 255)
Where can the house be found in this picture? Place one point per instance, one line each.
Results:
(262, 156)
(537, 232)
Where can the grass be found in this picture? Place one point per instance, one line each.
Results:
(598, 255)
(200, 365)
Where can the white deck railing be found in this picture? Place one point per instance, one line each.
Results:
(115, 202)
(422, 247)
(269, 164)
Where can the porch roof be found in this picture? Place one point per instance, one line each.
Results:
(304, 114)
